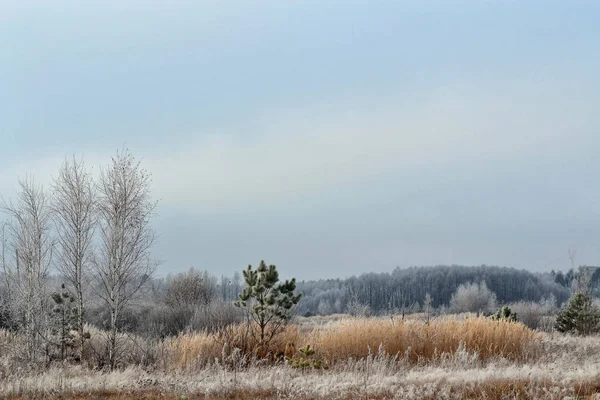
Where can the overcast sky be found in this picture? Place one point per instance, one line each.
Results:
(328, 137)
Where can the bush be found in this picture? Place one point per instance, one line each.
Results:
(357, 309)
(132, 350)
(536, 315)
(162, 321)
(505, 314)
(473, 297)
(214, 316)
(190, 288)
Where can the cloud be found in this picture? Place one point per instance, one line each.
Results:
(290, 154)
(300, 154)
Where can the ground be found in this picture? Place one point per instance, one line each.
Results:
(556, 367)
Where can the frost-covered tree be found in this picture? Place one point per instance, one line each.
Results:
(473, 297)
(123, 263)
(74, 216)
(30, 243)
(191, 288)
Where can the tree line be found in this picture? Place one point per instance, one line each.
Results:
(406, 289)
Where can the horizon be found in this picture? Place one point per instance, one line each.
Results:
(328, 139)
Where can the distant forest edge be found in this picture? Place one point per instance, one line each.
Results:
(406, 289)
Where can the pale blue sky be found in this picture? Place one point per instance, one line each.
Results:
(327, 137)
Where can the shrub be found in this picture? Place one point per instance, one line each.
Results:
(579, 316)
(305, 360)
(505, 314)
(132, 350)
(473, 297)
(190, 288)
(214, 316)
(162, 321)
(358, 309)
(536, 315)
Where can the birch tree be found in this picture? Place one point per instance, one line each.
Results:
(29, 246)
(75, 220)
(123, 263)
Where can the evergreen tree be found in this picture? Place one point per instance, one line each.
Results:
(65, 317)
(579, 316)
(270, 303)
(505, 314)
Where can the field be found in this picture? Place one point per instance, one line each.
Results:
(447, 358)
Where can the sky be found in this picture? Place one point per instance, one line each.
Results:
(330, 138)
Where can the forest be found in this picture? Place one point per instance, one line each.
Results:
(407, 288)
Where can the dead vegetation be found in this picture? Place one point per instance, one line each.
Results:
(448, 358)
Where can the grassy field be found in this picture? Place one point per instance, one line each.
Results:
(449, 358)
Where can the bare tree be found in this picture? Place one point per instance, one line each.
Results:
(356, 308)
(572, 254)
(123, 263)
(5, 310)
(191, 288)
(31, 246)
(75, 220)
(473, 297)
(427, 309)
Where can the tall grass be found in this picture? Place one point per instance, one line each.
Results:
(226, 364)
(192, 351)
(417, 341)
(236, 346)
(356, 338)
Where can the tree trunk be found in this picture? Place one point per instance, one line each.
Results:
(80, 322)
(112, 340)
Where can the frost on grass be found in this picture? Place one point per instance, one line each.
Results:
(556, 366)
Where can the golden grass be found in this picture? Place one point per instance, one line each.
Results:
(207, 365)
(196, 350)
(412, 341)
(353, 338)
(568, 368)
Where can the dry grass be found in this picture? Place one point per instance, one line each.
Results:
(197, 350)
(503, 380)
(494, 389)
(339, 340)
(419, 341)
(351, 338)
(496, 361)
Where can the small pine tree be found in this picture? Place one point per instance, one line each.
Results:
(269, 302)
(579, 316)
(505, 314)
(306, 359)
(65, 319)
